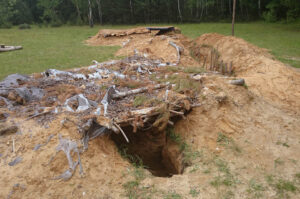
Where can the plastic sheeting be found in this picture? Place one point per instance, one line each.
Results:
(107, 98)
(83, 103)
(13, 80)
(68, 146)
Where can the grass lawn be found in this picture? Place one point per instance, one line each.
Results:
(63, 47)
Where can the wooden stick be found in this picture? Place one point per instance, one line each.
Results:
(196, 105)
(37, 115)
(171, 123)
(176, 112)
(211, 59)
(136, 91)
(203, 66)
(221, 67)
(230, 68)
(123, 133)
(13, 145)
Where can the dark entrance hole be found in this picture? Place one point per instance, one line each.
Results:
(155, 150)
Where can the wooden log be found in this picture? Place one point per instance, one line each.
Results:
(238, 82)
(136, 91)
(10, 48)
(2, 45)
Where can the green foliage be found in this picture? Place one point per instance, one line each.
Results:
(57, 12)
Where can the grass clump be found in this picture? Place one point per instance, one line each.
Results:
(223, 140)
(285, 144)
(133, 188)
(255, 189)
(278, 162)
(192, 69)
(224, 177)
(139, 100)
(172, 195)
(189, 155)
(282, 186)
(285, 185)
(183, 82)
(194, 192)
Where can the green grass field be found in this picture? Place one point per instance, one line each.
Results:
(64, 47)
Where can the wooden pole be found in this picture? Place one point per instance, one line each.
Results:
(233, 17)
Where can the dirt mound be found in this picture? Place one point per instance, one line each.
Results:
(143, 42)
(209, 139)
(264, 75)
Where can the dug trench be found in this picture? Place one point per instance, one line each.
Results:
(152, 149)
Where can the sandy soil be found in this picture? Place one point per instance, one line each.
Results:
(155, 47)
(264, 75)
(242, 142)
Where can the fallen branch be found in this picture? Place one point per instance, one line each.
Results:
(123, 133)
(238, 82)
(176, 112)
(136, 91)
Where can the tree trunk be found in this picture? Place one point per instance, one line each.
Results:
(179, 11)
(197, 9)
(100, 11)
(233, 17)
(91, 23)
(131, 10)
(78, 10)
(259, 7)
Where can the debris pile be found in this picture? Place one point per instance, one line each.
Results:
(165, 44)
(136, 94)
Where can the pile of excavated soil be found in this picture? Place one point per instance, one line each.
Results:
(264, 75)
(143, 42)
(240, 142)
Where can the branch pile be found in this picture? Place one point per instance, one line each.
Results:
(137, 92)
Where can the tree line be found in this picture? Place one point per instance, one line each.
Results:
(79, 12)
